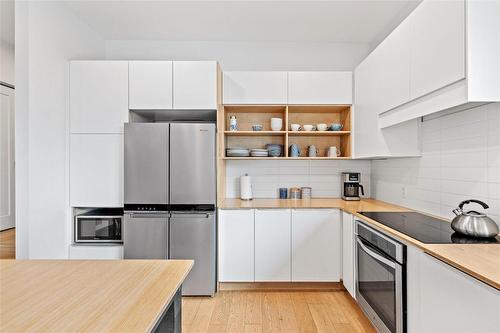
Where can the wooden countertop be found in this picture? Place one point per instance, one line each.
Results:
(87, 295)
(482, 261)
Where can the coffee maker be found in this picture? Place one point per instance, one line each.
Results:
(351, 186)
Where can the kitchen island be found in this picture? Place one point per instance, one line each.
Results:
(91, 295)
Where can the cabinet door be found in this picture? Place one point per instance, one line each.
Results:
(272, 245)
(254, 87)
(195, 85)
(98, 96)
(96, 170)
(316, 245)
(150, 85)
(391, 69)
(348, 245)
(236, 245)
(319, 87)
(437, 45)
(96, 252)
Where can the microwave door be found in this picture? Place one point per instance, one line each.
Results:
(192, 164)
(146, 163)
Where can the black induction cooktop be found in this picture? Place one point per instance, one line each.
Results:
(424, 228)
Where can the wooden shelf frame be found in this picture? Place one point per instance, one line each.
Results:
(249, 115)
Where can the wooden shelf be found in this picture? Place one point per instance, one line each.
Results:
(286, 158)
(318, 133)
(253, 133)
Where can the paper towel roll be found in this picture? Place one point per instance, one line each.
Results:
(246, 187)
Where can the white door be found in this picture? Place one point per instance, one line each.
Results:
(272, 245)
(236, 245)
(96, 170)
(195, 85)
(98, 96)
(254, 87)
(348, 268)
(316, 245)
(7, 210)
(437, 45)
(320, 87)
(150, 85)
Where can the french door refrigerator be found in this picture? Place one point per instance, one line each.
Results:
(170, 197)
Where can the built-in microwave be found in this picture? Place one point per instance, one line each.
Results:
(103, 225)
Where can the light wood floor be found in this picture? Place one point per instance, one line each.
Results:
(274, 311)
(8, 244)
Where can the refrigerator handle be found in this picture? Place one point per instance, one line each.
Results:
(190, 214)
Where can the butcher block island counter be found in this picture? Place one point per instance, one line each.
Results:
(91, 295)
(481, 261)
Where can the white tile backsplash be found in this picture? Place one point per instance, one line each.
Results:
(460, 160)
(269, 176)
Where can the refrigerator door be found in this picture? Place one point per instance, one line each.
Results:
(146, 163)
(192, 164)
(192, 236)
(145, 236)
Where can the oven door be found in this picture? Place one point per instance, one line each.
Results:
(102, 229)
(379, 287)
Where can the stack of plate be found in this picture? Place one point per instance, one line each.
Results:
(237, 152)
(256, 152)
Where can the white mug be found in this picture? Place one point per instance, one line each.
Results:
(276, 124)
(321, 127)
(333, 152)
(308, 128)
(295, 127)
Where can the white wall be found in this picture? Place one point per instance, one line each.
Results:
(47, 36)
(245, 55)
(461, 160)
(269, 176)
(7, 63)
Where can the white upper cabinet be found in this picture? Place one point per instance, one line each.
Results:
(98, 96)
(319, 87)
(236, 245)
(195, 85)
(150, 85)
(316, 245)
(437, 45)
(272, 245)
(249, 87)
(96, 170)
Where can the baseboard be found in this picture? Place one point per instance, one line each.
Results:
(277, 286)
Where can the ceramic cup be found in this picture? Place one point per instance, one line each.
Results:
(336, 127)
(295, 127)
(308, 128)
(276, 124)
(322, 127)
(312, 151)
(333, 152)
(294, 150)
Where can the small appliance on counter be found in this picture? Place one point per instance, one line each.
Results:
(246, 187)
(351, 186)
(473, 223)
(102, 225)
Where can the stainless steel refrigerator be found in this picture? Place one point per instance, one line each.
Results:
(170, 197)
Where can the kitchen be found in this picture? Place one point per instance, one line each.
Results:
(145, 127)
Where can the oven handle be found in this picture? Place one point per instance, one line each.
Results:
(376, 255)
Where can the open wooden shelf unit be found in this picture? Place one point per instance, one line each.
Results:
(248, 115)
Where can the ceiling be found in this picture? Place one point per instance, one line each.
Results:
(253, 21)
(7, 21)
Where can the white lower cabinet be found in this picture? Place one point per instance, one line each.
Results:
(95, 252)
(236, 245)
(316, 245)
(348, 252)
(272, 245)
(441, 298)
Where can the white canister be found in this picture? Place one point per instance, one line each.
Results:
(246, 187)
(276, 124)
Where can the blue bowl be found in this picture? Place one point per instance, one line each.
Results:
(274, 149)
(257, 127)
(336, 127)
